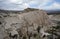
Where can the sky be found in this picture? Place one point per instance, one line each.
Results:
(23, 4)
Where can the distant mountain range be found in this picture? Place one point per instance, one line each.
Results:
(29, 9)
(22, 11)
(53, 11)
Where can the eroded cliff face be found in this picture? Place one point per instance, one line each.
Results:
(30, 20)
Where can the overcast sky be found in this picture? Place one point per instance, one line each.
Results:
(22, 4)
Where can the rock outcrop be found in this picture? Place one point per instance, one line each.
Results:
(26, 21)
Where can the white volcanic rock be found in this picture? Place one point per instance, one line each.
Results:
(30, 20)
(36, 18)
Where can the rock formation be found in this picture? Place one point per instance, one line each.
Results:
(27, 21)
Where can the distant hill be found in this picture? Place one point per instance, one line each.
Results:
(23, 11)
(8, 11)
(28, 10)
(53, 11)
